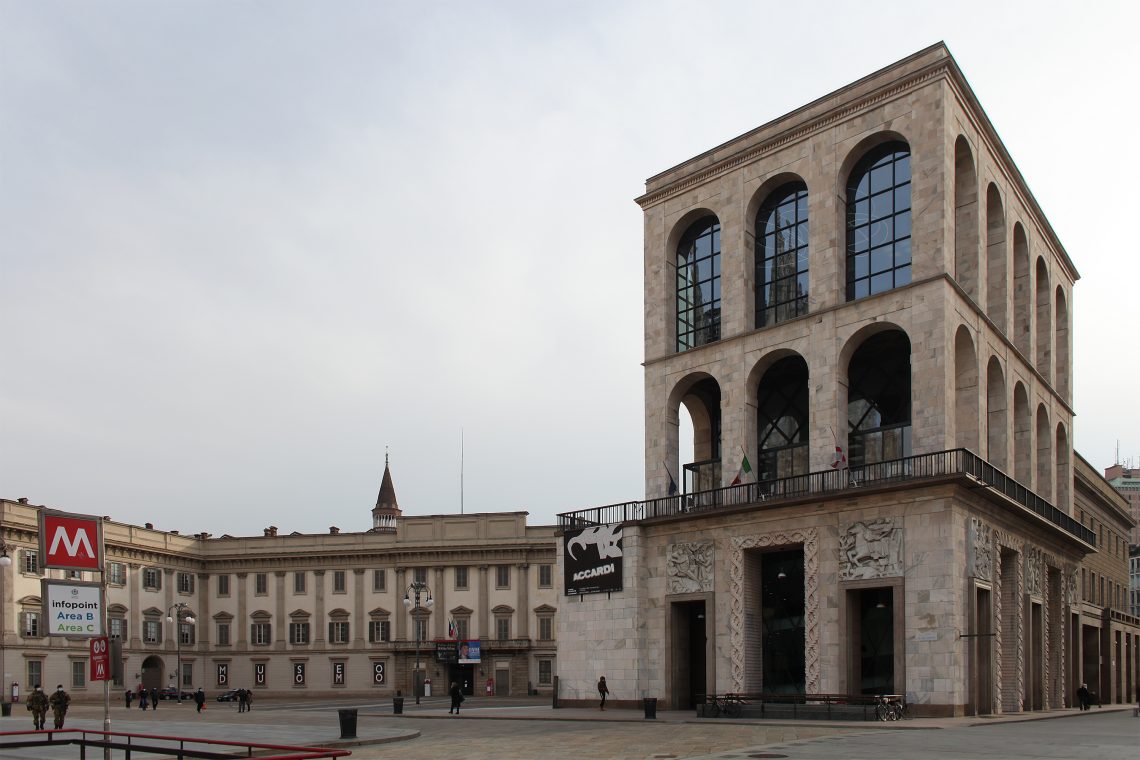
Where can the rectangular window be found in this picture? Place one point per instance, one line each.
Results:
(378, 630)
(502, 628)
(187, 675)
(379, 580)
(463, 628)
(461, 579)
(338, 632)
(260, 634)
(117, 628)
(298, 633)
(186, 583)
(35, 673)
(298, 583)
(419, 575)
(340, 582)
(223, 585)
(31, 563)
(31, 625)
(544, 673)
(152, 579)
(78, 674)
(546, 628)
(117, 574)
(186, 633)
(545, 576)
(223, 638)
(260, 584)
(420, 629)
(152, 631)
(502, 576)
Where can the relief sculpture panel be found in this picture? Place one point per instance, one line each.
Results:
(689, 567)
(871, 549)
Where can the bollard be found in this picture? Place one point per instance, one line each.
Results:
(347, 724)
(397, 705)
(650, 708)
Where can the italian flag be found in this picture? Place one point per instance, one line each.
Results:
(745, 468)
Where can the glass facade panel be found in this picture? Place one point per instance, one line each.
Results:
(878, 216)
(698, 285)
(782, 255)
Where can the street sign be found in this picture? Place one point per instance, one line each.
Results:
(100, 659)
(71, 542)
(72, 608)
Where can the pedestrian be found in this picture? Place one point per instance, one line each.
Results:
(129, 695)
(1083, 697)
(142, 699)
(456, 698)
(248, 700)
(38, 705)
(603, 690)
(243, 700)
(153, 698)
(200, 699)
(59, 702)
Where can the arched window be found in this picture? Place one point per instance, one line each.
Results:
(782, 255)
(878, 400)
(782, 417)
(878, 222)
(698, 285)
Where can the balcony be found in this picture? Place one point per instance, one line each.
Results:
(942, 465)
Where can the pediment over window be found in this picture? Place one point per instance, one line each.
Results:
(153, 612)
(503, 609)
(117, 609)
(261, 616)
(31, 601)
(461, 611)
(300, 614)
(339, 613)
(223, 616)
(379, 612)
(545, 609)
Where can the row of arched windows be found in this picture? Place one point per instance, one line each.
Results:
(878, 248)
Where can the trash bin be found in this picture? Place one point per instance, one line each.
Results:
(347, 724)
(397, 705)
(6, 709)
(650, 708)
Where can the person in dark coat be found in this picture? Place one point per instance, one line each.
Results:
(154, 698)
(243, 700)
(1083, 697)
(129, 696)
(59, 701)
(456, 698)
(603, 691)
(200, 698)
(143, 699)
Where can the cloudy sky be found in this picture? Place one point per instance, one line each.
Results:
(246, 246)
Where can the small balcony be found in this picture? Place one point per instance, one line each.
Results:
(943, 465)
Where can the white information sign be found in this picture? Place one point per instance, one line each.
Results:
(72, 609)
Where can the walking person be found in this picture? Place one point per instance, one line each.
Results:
(1083, 697)
(154, 698)
(59, 702)
(603, 690)
(456, 698)
(38, 705)
(200, 699)
(129, 695)
(243, 700)
(142, 699)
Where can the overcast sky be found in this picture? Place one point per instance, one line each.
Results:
(245, 246)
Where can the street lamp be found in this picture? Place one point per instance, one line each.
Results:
(179, 611)
(412, 603)
(5, 560)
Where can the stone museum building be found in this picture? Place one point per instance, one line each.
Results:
(299, 614)
(868, 319)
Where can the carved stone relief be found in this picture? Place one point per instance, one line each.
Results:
(689, 567)
(871, 549)
(810, 540)
(982, 550)
(1034, 567)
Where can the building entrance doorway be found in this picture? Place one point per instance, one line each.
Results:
(871, 640)
(464, 675)
(688, 656)
(152, 673)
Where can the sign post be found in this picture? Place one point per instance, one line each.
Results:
(75, 542)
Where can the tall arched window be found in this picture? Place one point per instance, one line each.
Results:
(782, 420)
(698, 285)
(878, 222)
(878, 400)
(782, 255)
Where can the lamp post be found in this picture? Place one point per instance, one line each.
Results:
(179, 613)
(412, 603)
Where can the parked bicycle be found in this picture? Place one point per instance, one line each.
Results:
(891, 707)
(728, 705)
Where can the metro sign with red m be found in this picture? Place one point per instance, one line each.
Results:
(71, 542)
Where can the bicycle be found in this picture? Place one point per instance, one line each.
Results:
(728, 705)
(890, 707)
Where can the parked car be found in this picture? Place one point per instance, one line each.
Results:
(228, 696)
(172, 693)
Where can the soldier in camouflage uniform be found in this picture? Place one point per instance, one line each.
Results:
(59, 702)
(38, 705)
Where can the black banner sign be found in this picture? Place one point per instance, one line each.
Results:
(592, 560)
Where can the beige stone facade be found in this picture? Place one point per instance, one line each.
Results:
(933, 556)
(298, 614)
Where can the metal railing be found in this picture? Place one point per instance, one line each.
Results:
(766, 493)
(174, 746)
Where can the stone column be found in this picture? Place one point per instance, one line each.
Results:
(439, 625)
(523, 597)
(484, 609)
(401, 633)
(318, 608)
(202, 630)
(134, 590)
(241, 635)
(359, 622)
(280, 614)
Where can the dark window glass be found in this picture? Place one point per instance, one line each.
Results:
(781, 613)
(698, 285)
(878, 220)
(878, 400)
(782, 255)
(782, 416)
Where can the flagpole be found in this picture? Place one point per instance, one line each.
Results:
(460, 470)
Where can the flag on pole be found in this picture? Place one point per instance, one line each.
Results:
(452, 630)
(840, 459)
(672, 483)
(745, 468)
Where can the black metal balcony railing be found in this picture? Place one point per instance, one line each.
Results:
(771, 492)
